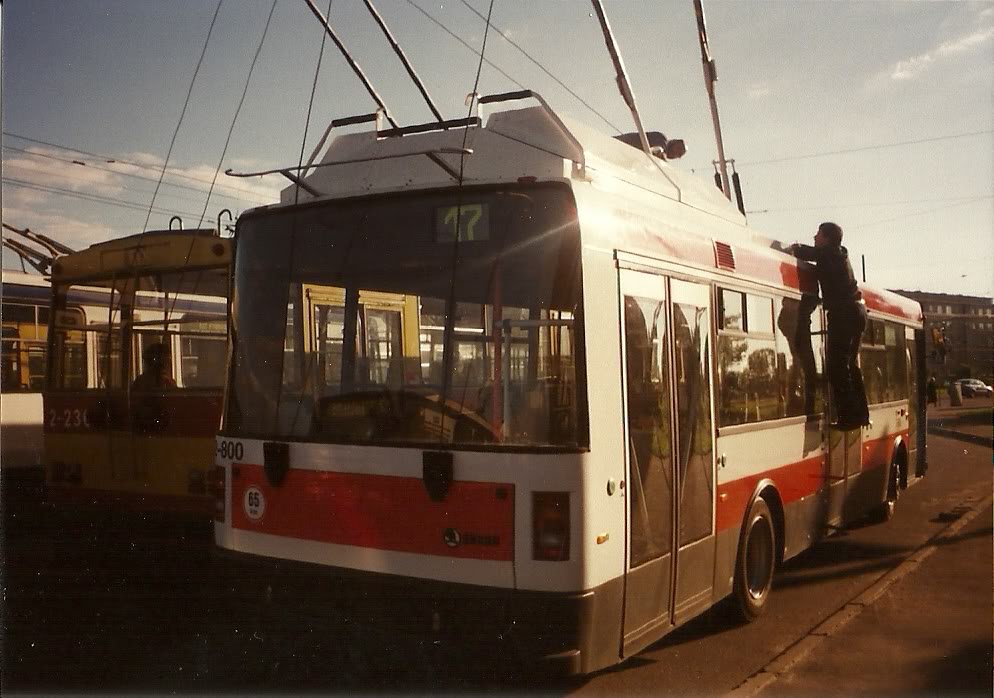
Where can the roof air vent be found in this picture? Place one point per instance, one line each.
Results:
(724, 258)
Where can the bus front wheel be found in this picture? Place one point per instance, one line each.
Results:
(755, 562)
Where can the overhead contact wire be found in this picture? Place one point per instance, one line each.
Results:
(224, 151)
(186, 103)
(545, 70)
(461, 41)
(296, 200)
(448, 337)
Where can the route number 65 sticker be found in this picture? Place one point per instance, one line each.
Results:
(254, 503)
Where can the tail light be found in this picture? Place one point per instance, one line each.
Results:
(215, 488)
(550, 526)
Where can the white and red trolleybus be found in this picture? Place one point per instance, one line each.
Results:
(568, 405)
(137, 352)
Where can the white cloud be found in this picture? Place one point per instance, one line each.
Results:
(68, 230)
(758, 90)
(911, 68)
(248, 192)
(133, 178)
(37, 167)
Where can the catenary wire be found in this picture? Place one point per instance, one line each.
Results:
(90, 166)
(293, 225)
(861, 226)
(882, 204)
(224, 151)
(186, 103)
(139, 165)
(461, 41)
(860, 149)
(95, 198)
(234, 119)
(543, 68)
(448, 333)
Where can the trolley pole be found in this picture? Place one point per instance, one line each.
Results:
(710, 77)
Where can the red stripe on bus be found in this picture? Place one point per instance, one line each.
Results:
(767, 266)
(879, 452)
(795, 480)
(892, 304)
(382, 512)
(163, 414)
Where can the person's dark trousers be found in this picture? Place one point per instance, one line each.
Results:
(845, 328)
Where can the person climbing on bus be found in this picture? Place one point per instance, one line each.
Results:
(156, 373)
(846, 322)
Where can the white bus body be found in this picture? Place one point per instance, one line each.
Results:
(658, 247)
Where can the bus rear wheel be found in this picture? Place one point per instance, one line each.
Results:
(755, 563)
(885, 510)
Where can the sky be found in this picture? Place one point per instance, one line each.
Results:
(876, 115)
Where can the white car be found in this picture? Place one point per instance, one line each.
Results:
(971, 387)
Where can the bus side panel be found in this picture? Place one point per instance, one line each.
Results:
(868, 483)
(158, 458)
(600, 519)
(793, 458)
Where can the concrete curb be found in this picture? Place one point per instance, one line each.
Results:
(949, 433)
(960, 436)
(790, 657)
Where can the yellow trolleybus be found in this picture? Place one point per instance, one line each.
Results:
(136, 366)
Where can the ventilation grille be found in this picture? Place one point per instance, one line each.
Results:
(724, 258)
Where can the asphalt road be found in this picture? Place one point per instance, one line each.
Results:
(111, 606)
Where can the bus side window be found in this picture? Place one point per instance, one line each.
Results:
(748, 382)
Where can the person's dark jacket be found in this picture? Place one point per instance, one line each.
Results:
(835, 275)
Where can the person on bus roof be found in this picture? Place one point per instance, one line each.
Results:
(846, 322)
(156, 373)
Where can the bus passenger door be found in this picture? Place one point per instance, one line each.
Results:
(650, 458)
(694, 452)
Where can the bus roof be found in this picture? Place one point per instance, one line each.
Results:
(536, 144)
(158, 252)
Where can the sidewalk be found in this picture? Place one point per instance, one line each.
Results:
(925, 631)
(971, 423)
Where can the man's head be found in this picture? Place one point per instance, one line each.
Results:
(828, 235)
(154, 357)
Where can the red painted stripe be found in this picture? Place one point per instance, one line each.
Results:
(379, 511)
(879, 452)
(794, 480)
(892, 304)
(194, 413)
(776, 270)
(769, 266)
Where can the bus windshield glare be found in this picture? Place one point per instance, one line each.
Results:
(449, 318)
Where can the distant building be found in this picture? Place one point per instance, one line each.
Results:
(959, 335)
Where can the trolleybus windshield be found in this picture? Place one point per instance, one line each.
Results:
(436, 318)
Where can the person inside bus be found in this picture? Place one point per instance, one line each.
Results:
(846, 322)
(155, 373)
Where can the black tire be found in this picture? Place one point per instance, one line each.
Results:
(755, 563)
(885, 510)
